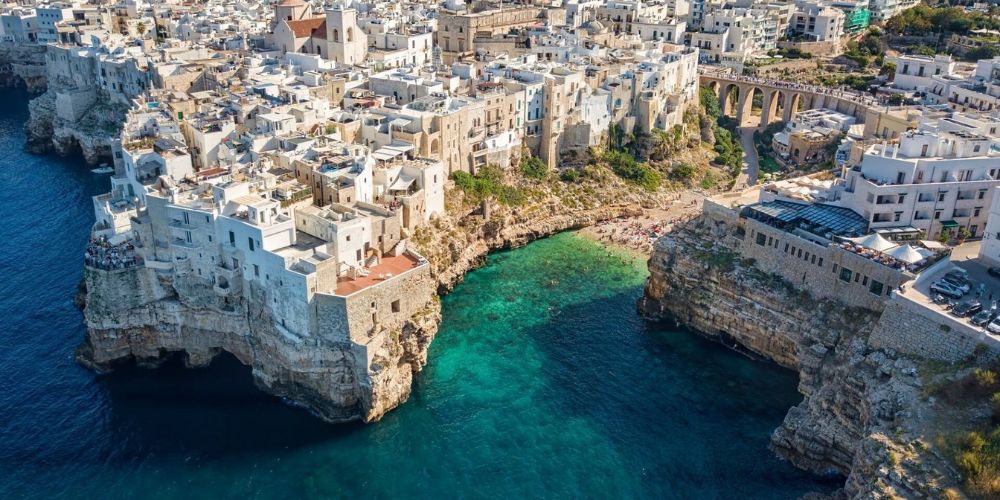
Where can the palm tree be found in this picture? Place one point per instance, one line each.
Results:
(141, 28)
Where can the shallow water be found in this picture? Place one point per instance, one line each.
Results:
(542, 382)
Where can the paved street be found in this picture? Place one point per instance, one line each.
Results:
(751, 164)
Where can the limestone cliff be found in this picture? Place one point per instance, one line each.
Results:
(862, 413)
(90, 133)
(88, 126)
(22, 66)
(144, 315)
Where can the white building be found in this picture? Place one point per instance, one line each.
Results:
(940, 177)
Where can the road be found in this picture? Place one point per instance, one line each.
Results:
(751, 164)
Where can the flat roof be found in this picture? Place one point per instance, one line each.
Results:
(393, 266)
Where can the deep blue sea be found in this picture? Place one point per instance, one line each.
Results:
(543, 382)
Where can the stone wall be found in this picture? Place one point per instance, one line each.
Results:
(910, 328)
(824, 271)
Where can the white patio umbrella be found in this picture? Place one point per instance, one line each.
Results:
(874, 241)
(905, 253)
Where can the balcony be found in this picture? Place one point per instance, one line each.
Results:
(184, 243)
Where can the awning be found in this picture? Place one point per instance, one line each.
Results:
(949, 224)
(402, 183)
(873, 241)
(906, 253)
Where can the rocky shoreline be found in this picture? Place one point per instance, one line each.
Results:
(144, 317)
(89, 134)
(862, 413)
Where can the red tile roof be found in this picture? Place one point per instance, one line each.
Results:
(308, 27)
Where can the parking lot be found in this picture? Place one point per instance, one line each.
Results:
(965, 257)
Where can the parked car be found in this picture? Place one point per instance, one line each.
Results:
(947, 289)
(964, 286)
(959, 274)
(994, 326)
(967, 308)
(994, 271)
(943, 301)
(983, 317)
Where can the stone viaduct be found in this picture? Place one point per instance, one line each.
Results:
(781, 102)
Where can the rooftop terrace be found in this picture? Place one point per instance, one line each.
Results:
(388, 268)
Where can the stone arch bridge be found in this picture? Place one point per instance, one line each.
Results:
(782, 100)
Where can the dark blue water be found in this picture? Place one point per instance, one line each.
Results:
(542, 382)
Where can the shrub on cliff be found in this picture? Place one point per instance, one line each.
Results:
(534, 168)
(486, 183)
(625, 166)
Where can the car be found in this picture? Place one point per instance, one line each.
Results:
(994, 326)
(959, 274)
(947, 289)
(940, 300)
(967, 308)
(964, 286)
(994, 271)
(983, 317)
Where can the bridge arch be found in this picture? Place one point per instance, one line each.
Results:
(714, 86)
(729, 98)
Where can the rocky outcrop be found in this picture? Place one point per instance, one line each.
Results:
(862, 411)
(85, 121)
(457, 244)
(22, 66)
(146, 316)
(90, 134)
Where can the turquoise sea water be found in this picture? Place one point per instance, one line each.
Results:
(542, 382)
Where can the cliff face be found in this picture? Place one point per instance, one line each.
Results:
(861, 414)
(455, 245)
(22, 66)
(141, 315)
(89, 131)
(147, 316)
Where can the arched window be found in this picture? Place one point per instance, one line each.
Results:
(336, 35)
(350, 34)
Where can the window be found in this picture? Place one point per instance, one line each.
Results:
(975, 211)
(800, 253)
(937, 215)
(761, 239)
(865, 281)
(786, 247)
(941, 195)
(395, 306)
(250, 243)
(875, 287)
(820, 263)
(856, 276)
(845, 275)
(256, 270)
(807, 255)
(232, 238)
(982, 193)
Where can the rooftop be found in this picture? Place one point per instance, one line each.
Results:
(389, 267)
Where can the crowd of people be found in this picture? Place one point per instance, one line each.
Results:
(102, 254)
(842, 91)
(639, 235)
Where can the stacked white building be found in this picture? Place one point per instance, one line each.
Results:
(938, 178)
